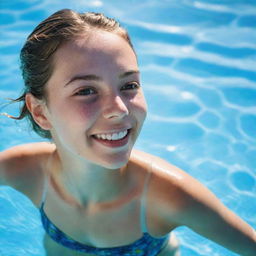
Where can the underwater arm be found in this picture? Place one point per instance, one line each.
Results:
(183, 201)
(205, 214)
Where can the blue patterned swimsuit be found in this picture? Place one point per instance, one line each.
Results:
(145, 246)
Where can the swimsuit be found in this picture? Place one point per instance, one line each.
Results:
(145, 246)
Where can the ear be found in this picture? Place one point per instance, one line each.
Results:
(37, 108)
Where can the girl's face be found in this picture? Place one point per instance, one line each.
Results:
(95, 99)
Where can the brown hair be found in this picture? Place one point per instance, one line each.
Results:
(36, 56)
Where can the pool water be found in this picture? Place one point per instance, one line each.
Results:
(198, 63)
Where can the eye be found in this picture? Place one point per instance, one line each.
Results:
(85, 92)
(131, 86)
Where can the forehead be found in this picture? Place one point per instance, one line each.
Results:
(99, 49)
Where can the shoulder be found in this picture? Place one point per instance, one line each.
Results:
(171, 190)
(168, 185)
(22, 167)
(18, 158)
(179, 199)
(162, 171)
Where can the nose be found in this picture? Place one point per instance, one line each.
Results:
(115, 107)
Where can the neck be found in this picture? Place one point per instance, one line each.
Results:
(81, 183)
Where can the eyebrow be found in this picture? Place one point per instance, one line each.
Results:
(92, 77)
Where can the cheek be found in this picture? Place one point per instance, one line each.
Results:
(78, 112)
(140, 106)
(71, 121)
(85, 112)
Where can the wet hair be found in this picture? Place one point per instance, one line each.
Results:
(36, 56)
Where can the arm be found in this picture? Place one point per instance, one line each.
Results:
(187, 202)
(206, 215)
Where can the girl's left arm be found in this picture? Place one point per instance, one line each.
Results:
(190, 203)
(206, 215)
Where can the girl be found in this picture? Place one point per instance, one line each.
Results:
(96, 194)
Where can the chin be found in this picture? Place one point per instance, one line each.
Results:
(115, 161)
(112, 165)
(117, 166)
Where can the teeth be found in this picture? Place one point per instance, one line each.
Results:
(113, 136)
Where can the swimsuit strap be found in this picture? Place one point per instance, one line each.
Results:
(143, 210)
(45, 188)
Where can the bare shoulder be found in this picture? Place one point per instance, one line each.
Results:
(162, 170)
(18, 158)
(22, 166)
(171, 190)
(168, 185)
(177, 196)
(178, 190)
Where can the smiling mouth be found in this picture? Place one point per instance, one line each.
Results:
(112, 136)
(114, 139)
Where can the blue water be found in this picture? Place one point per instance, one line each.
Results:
(198, 63)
